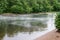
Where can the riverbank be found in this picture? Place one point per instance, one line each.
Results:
(53, 35)
(12, 14)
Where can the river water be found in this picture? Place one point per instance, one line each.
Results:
(25, 27)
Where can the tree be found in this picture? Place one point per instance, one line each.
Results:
(3, 5)
(29, 6)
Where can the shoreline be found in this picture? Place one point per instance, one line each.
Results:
(52, 35)
(12, 14)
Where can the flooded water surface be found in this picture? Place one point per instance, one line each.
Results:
(25, 27)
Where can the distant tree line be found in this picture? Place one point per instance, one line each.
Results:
(29, 6)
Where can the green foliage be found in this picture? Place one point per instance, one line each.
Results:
(17, 9)
(57, 21)
(29, 6)
(3, 5)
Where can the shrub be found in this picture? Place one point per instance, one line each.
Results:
(29, 6)
(16, 9)
(3, 5)
(57, 21)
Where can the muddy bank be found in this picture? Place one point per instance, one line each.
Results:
(53, 35)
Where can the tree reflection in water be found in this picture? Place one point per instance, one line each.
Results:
(11, 30)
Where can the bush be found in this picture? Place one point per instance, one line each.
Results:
(29, 6)
(57, 21)
(17, 9)
(3, 5)
(57, 7)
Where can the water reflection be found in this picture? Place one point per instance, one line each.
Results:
(13, 27)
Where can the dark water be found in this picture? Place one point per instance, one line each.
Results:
(24, 27)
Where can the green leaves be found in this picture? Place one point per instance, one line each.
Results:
(3, 5)
(57, 21)
(17, 9)
(29, 6)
